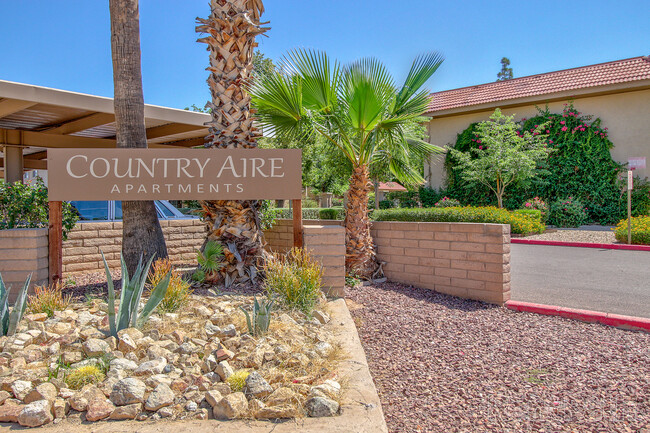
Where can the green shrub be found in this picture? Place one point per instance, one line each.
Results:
(537, 204)
(567, 212)
(329, 213)
(309, 203)
(518, 223)
(532, 214)
(447, 202)
(640, 230)
(407, 199)
(237, 380)
(26, 206)
(429, 196)
(307, 214)
(386, 204)
(295, 278)
(210, 260)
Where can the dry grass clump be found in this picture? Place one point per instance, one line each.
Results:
(295, 278)
(48, 299)
(86, 375)
(179, 291)
(237, 380)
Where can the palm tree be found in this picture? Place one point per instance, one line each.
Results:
(230, 32)
(360, 111)
(141, 232)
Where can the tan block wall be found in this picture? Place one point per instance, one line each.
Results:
(468, 260)
(325, 239)
(82, 250)
(23, 251)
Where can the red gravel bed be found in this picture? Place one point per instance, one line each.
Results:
(444, 364)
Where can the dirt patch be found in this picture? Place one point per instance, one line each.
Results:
(444, 364)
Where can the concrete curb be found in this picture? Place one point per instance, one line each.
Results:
(582, 245)
(610, 319)
(361, 410)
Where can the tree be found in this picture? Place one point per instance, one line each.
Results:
(506, 72)
(359, 111)
(141, 232)
(231, 29)
(504, 155)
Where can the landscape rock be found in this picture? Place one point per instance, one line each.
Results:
(44, 391)
(36, 414)
(213, 397)
(123, 364)
(330, 389)
(128, 391)
(160, 397)
(9, 412)
(60, 408)
(321, 406)
(99, 408)
(130, 411)
(283, 396)
(126, 344)
(224, 370)
(95, 347)
(231, 406)
(256, 386)
(20, 389)
(155, 366)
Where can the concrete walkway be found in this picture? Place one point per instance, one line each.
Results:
(611, 281)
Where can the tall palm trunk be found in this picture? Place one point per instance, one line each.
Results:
(360, 255)
(141, 232)
(231, 29)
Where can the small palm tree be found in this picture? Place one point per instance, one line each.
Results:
(360, 111)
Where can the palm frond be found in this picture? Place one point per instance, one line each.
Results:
(422, 69)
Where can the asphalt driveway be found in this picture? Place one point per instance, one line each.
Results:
(612, 281)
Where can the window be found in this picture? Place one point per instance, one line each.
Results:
(91, 210)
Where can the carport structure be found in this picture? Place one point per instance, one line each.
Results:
(34, 118)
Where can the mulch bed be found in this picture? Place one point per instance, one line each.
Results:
(444, 364)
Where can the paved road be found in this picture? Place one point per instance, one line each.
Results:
(613, 281)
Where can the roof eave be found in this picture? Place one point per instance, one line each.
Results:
(629, 86)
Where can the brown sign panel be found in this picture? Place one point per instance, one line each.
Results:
(174, 174)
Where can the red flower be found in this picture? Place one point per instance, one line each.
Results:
(562, 122)
(564, 128)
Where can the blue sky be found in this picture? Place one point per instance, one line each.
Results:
(66, 43)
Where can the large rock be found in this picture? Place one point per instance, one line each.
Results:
(123, 364)
(134, 333)
(36, 414)
(329, 389)
(99, 408)
(60, 408)
(321, 316)
(321, 406)
(9, 411)
(283, 396)
(130, 411)
(224, 370)
(126, 344)
(256, 386)
(213, 397)
(231, 406)
(20, 389)
(155, 366)
(95, 347)
(128, 391)
(44, 391)
(276, 412)
(160, 397)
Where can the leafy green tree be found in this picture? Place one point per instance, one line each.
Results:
(360, 111)
(506, 72)
(504, 156)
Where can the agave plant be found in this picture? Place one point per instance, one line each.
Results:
(9, 320)
(128, 315)
(259, 322)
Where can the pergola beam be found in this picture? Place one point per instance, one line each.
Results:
(83, 123)
(32, 164)
(11, 106)
(171, 129)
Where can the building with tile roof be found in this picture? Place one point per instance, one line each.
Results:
(618, 92)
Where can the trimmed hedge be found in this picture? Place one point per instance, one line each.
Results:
(519, 223)
(309, 213)
(640, 230)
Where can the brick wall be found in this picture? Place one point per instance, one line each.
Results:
(81, 252)
(23, 251)
(468, 260)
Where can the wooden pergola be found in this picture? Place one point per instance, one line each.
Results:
(34, 119)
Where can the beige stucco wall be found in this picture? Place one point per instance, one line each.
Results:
(627, 115)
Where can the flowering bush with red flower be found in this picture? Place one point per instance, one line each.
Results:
(537, 204)
(26, 206)
(447, 202)
(568, 212)
(581, 166)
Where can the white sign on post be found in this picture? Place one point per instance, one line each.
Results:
(636, 162)
(630, 179)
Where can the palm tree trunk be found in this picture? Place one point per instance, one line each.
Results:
(360, 256)
(141, 232)
(231, 29)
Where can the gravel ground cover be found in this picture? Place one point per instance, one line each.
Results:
(589, 236)
(445, 364)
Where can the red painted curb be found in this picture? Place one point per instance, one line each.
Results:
(617, 320)
(581, 244)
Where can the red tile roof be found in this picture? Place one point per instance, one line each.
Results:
(620, 71)
(390, 186)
